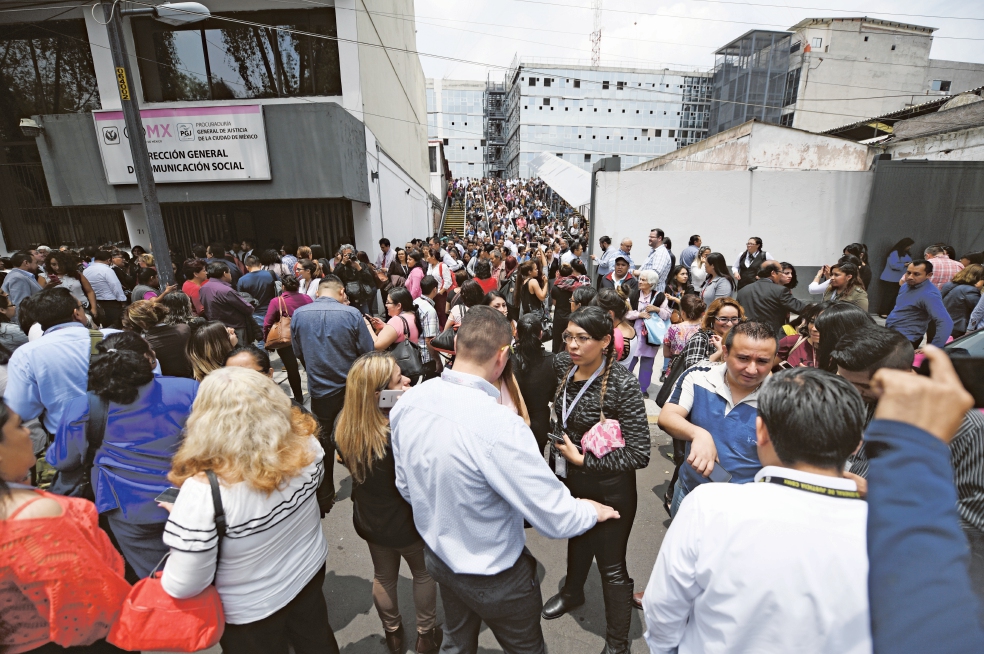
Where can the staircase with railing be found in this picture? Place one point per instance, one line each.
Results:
(454, 219)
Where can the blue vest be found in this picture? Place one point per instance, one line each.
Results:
(734, 438)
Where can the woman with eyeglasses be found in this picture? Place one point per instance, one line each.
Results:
(593, 388)
(708, 342)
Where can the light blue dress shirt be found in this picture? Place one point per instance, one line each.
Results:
(471, 471)
(105, 284)
(606, 262)
(43, 376)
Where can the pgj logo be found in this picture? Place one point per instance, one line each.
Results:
(186, 132)
(111, 135)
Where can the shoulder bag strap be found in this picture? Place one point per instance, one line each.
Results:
(220, 517)
(95, 428)
(406, 329)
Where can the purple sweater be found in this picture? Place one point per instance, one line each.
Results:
(292, 300)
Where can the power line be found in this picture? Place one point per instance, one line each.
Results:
(842, 11)
(701, 18)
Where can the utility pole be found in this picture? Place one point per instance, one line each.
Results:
(596, 34)
(138, 143)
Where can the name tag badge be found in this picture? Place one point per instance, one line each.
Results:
(560, 465)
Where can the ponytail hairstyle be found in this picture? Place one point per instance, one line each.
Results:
(610, 300)
(142, 315)
(528, 348)
(598, 324)
(290, 283)
(122, 364)
(402, 295)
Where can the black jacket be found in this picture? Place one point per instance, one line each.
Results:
(630, 283)
(768, 302)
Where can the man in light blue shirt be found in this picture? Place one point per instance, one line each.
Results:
(107, 288)
(659, 259)
(44, 375)
(690, 252)
(470, 469)
(606, 262)
(20, 283)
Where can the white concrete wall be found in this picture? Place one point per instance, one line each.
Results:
(767, 146)
(805, 218)
(394, 98)
(965, 145)
(394, 213)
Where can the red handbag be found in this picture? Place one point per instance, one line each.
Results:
(153, 620)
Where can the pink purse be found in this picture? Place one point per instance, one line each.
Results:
(603, 438)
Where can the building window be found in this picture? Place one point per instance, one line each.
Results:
(560, 155)
(669, 133)
(893, 46)
(645, 132)
(566, 108)
(432, 154)
(786, 119)
(657, 133)
(532, 81)
(940, 85)
(445, 141)
(604, 86)
(546, 102)
(817, 42)
(218, 60)
(577, 83)
(866, 39)
(619, 86)
(546, 81)
(587, 158)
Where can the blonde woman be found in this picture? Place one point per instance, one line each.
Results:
(381, 516)
(271, 567)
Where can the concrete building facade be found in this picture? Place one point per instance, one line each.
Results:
(826, 72)
(456, 116)
(582, 114)
(342, 95)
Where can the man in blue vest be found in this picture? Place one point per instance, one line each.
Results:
(714, 406)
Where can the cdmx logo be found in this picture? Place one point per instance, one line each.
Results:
(111, 135)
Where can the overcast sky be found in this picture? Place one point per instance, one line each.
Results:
(651, 33)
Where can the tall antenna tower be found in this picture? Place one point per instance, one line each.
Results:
(596, 34)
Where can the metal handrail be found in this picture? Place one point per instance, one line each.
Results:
(444, 214)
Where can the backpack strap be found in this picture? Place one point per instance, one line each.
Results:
(95, 429)
(95, 336)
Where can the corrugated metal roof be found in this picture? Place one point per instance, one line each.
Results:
(881, 125)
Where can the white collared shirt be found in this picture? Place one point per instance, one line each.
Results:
(762, 568)
(471, 471)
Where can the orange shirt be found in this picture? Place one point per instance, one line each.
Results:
(61, 580)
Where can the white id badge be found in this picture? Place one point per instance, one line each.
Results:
(560, 465)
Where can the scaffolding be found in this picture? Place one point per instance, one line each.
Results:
(495, 127)
(750, 80)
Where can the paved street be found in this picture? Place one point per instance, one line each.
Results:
(348, 585)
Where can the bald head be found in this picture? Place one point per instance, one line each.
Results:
(770, 269)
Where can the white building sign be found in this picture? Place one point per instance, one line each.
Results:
(188, 144)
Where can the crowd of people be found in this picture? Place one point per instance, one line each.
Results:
(823, 497)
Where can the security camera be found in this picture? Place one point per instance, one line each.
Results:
(30, 128)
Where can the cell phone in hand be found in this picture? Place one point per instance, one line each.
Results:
(719, 475)
(168, 496)
(970, 369)
(388, 398)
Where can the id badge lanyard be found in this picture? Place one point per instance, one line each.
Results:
(560, 463)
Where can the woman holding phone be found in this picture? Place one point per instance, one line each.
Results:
(380, 514)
